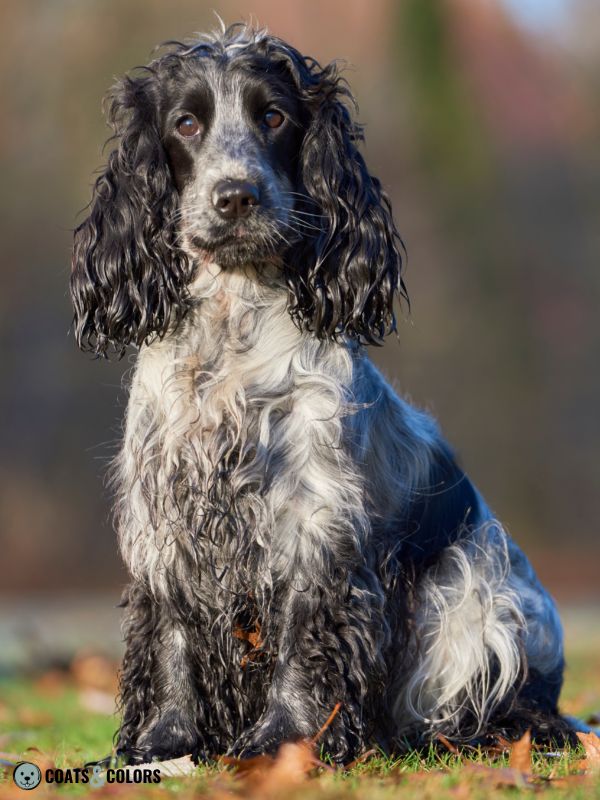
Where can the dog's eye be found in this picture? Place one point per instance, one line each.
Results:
(273, 119)
(188, 126)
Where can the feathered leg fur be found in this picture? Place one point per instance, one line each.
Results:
(163, 716)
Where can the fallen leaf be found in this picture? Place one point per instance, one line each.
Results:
(447, 744)
(266, 775)
(520, 754)
(52, 683)
(97, 702)
(591, 744)
(95, 671)
(428, 781)
(33, 718)
(174, 768)
(568, 781)
(244, 766)
(43, 760)
(498, 777)
(505, 744)
(294, 762)
(253, 638)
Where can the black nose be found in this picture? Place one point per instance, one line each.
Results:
(235, 199)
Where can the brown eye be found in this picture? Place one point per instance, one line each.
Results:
(273, 119)
(188, 126)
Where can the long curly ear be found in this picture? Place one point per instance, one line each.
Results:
(129, 277)
(346, 280)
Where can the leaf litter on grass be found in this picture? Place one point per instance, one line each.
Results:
(299, 770)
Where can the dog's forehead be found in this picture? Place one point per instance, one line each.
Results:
(227, 83)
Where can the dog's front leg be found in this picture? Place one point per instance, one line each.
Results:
(161, 714)
(331, 650)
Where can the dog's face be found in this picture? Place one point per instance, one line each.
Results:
(236, 150)
(233, 139)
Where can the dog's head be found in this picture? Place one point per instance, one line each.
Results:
(240, 151)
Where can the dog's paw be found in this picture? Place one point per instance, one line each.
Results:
(266, 737)
(171, 736)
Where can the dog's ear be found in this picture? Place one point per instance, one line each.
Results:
(345, 281)
(129, 277)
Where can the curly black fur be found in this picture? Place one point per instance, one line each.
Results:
(129, 277)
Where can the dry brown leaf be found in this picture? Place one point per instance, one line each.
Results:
(569, 781)
(265, 776)
(520, 754)
(8, 791)
(591, 744)
(247, 766)
(97, 702)
(95, 671)
(452, 748)
(173, 768)
(498, 777)
(462, 792)
(37, 756)
(294, 762)
(33, 718)
(253, 638)
(428, 781)
(52, 683)
(504, 744)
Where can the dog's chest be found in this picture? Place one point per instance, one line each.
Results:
(215, 394)
(235, 450)
(231, 405)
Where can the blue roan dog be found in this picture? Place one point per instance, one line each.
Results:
(297, 535)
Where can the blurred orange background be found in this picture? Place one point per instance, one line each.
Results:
(483, 123)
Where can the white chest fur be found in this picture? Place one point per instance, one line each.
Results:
(238, 395)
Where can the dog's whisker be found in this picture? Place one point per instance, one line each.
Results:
(305, 225)
(301, 195)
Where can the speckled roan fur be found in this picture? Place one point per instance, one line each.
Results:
(297, 535)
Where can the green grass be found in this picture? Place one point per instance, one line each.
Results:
(55, 724)
(51, 719)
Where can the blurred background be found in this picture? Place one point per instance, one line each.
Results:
(482, 121)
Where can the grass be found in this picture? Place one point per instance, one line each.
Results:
(47, 714)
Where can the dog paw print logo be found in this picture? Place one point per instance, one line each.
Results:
(27, 775)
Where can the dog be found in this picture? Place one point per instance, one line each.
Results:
(297, 535)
